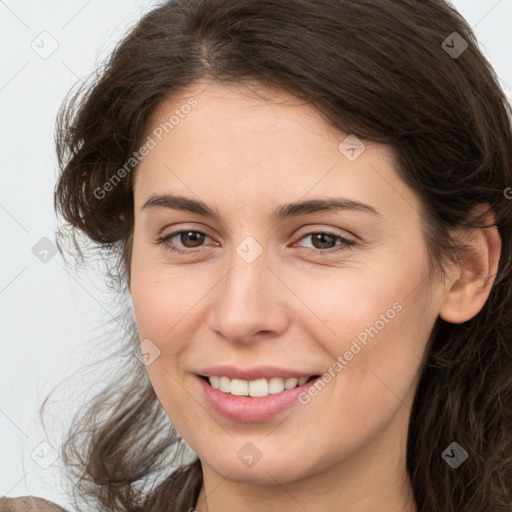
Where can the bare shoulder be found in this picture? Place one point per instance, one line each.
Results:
(28, 504)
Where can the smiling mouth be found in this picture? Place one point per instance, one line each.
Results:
(256, 388)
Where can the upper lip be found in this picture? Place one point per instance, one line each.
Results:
(259, 372)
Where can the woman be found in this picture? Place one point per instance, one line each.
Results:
(307, 203)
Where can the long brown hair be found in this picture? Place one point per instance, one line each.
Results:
(388, 71)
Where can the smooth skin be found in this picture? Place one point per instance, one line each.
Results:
(245, 154)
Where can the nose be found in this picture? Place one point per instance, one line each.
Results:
(249, 302)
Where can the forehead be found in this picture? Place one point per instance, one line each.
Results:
(256, 143)
(257, 106)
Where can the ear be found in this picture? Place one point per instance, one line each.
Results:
(471, 278)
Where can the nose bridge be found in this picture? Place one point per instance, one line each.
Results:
(246, 302)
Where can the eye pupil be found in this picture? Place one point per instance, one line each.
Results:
(197, 238)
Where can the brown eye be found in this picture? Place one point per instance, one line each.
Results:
(325, 240)
(195, 238)
(183, 241)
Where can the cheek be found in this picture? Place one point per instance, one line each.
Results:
(374, 327)
(157, 305)
(160, 294)
(162, 307)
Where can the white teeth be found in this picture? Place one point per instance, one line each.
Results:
(290, 383)
(239, 387)
(225, 384)
(275, 385)
(258, 387)
(255, 388)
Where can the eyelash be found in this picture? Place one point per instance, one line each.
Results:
(345, 242)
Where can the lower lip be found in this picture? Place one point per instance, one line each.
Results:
(251, 409)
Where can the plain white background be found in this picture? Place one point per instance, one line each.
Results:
(49, 319)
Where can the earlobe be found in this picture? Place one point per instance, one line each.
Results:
(473, 276)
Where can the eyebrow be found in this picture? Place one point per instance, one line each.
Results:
(177, 202)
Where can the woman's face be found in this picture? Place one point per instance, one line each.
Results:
(257, 297)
